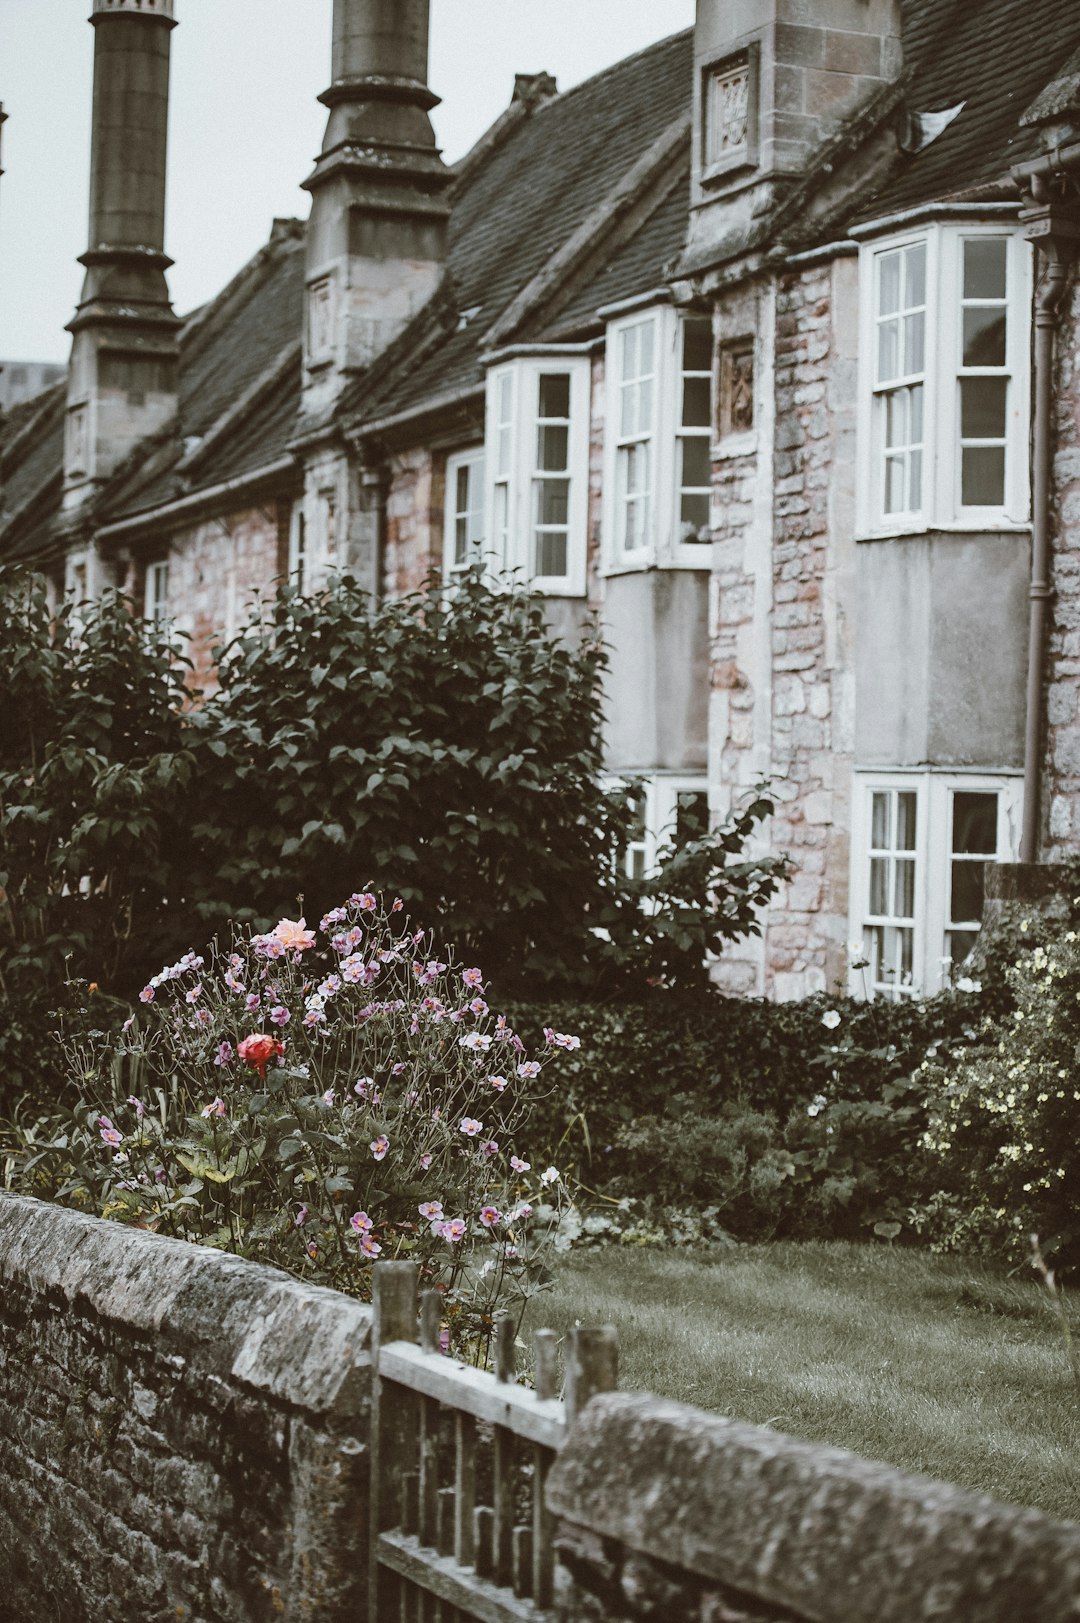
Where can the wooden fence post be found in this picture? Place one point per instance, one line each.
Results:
(394, 1288)
(592, 1366)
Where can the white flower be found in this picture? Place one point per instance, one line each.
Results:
(966, 984)
(830, 1019)
(477, 1040)
(550, 1176)
(817, 1105)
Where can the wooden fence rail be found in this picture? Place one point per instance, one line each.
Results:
(460, 1459)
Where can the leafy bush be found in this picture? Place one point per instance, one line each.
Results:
(315, 1116)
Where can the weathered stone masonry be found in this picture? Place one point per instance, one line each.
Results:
(1061, 798)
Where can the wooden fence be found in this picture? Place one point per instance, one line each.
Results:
(459, 1462)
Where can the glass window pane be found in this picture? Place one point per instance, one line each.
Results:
(553, 448)
(905, 820)
(461, 490)
(914, 329)
(552, 497)
(879, 886)
(461, 541)
(915, 275)
(968, 885)
(695, 463)
(697, 344)
(896, 418)
(915, 481)
(984, 268)
(630, 352)
(645, 347)
(555, 394)
(958, 944)
(975, 823)
(694, 516)
(550, 553)
(904, 893)
(982, 408)
(691, 815)
(502, 453)
(982, 481)
(984, 336)
(888, 356)
(888, 283)
(879, 837)
(696, 403)
(895, 494)
(915, 402)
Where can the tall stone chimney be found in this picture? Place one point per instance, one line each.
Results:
(122, 377)
(772, 81)
(376, 241)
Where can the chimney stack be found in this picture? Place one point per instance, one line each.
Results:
(376, 243)
(122, 377)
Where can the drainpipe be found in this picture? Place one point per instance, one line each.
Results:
(1054, 234)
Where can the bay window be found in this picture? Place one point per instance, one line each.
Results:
(921, 843)
(538, 456)
(658, 477)
(945, 364)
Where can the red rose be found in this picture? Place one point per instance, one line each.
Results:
(258, 1050)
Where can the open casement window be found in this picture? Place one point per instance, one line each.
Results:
(945, 363)
(658, 439)
(920, 848)
(299, 570)
(156, 591)
(463, 526)
(538, 470)
(668, 810)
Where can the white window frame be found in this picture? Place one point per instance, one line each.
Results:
(934, 793)
(661, 791)
(156, 590)
(512, 473)
(299, 564)
(471, 462)
(662, 544)
(941, 506)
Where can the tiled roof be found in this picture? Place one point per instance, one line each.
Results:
(995, 57)
(31, 470)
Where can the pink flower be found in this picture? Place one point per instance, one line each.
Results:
(128, 1023)
(396, 905)
(258, 1050)
(217, 1108)
(137, 1105)
(361, 1222)
(479, 1041)
(498, 1083)
(202, 1017)
(530, 1068)
(364, 1086)
(470, 1126)
(146, 995)
(369, 1246)
(312, 1250)
(522, 1211)
(472, 977)
(454, 1230)
(225, 1054)
(313, 1017)
(431, 1209)
(328, 1097)
(110, 1136)
(279, 1015)
(490, 1148)
(478, 1006)
(294, 935)
(379, 1147)
(194, 995)
(252, 1001)
(364, 900)
(425, 1162)
(398, 1069)
(519, 1165)
(562, 1039)
(301, 1217)
(489, 1216)
(511, 1252)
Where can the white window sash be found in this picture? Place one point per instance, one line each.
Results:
(472, 463)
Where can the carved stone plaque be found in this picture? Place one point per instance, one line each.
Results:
(737, 388)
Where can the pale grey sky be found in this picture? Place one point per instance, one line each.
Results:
(244, 125)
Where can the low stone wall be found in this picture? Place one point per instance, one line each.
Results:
(667, 1513)
(182, 1433)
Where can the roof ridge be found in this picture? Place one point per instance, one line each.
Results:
(613, 67)
(201, 321)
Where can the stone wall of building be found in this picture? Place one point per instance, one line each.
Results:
(783, 617)
(182, 1433)
(1061, 785)
(708, 1520)
(415, 517)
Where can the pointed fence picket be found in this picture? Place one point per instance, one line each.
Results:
(459, 1527)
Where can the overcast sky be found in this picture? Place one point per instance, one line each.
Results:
(244, 125)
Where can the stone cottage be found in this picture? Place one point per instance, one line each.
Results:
(760, 343)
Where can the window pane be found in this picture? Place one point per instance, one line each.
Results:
(895, 494)
(555, 394)
(915, 398)
(968, 885)
(550, 554)
(630, 352)
(984, 268)
(879, 886)
(502, 452)
(905, 821)
(982, 408)
(691, 815)
(461, 541)
(552, 501)
(697, 344)
(645, 347)
(461, 489)
(696, 403)
(915, 275)
(888, 366)
(879, 837)
(914, 329)
(975, 823)
(888, 284)
(904, 894)
(553, 448)
(958, 944)
(896, 418)
(915, 481)
(984, 336)
(982, 481)
(694, 516)
(637, 469)
(695, 463)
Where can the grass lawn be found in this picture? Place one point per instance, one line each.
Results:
(934, 1364)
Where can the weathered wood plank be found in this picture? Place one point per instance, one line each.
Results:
(440, 1575)
(503, 1504)
(429, 1470)
(592, 1366)
(464, 1487)
(543, 1530)
(537, 1420)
